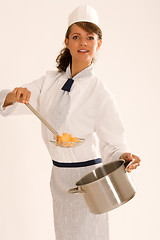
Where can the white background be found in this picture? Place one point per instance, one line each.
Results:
(32, 34)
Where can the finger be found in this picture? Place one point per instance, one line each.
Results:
(21, 95)
(14, 92)
(133, 166)
(24, 96)
(28, 96)
(127, 156)
(137, 159)
(128, 169)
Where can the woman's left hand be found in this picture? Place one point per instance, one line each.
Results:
(129, 157)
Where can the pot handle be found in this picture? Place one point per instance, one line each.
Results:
(76, 190)
(128, 164)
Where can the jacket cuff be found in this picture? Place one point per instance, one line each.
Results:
(116, 155)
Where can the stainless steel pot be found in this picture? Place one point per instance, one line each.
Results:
(106, 187)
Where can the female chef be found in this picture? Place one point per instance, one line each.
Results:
(74, 100)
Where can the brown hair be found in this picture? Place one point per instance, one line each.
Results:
(65, 58)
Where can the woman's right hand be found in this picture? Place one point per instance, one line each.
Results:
(20, 95)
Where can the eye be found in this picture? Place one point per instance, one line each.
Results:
(75, 37)
(91, 38)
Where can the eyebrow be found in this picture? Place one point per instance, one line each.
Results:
(80, 34)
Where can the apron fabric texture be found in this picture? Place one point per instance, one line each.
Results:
(72, 218)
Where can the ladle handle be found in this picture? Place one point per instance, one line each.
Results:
(42, 119)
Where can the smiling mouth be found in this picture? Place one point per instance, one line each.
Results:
(83, 51)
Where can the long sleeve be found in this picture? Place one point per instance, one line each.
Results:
(18, 108)
(110, 130)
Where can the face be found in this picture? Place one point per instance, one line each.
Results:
(82, 45)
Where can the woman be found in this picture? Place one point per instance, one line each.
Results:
(85, 109)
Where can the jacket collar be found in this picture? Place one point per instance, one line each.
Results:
(87, 72)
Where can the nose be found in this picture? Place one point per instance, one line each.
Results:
(83, 43)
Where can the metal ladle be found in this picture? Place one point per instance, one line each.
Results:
(60, 144)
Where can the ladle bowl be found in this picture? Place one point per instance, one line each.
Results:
(54, 141)
(68, 144)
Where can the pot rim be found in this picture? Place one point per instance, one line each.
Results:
(99, 179)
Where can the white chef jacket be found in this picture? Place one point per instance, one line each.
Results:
(93, 112)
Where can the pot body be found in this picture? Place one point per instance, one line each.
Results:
(106, 187)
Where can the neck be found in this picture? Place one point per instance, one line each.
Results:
(78, 67)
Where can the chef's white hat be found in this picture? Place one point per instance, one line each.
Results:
(83, 13)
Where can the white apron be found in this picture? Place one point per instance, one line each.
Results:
(72, 218)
